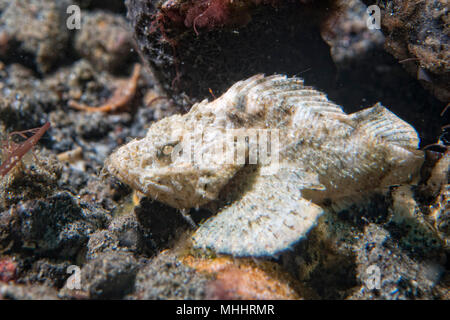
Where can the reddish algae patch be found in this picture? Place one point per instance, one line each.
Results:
(7, 269)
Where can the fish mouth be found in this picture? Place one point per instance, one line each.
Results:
(160, 187)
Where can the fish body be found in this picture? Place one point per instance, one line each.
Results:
(271, 151)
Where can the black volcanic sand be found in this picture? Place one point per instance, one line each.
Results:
(55, 213)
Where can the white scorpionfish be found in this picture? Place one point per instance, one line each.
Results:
(324, 156)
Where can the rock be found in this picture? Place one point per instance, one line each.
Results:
(166, 277)
(105, 40)
(400, 276)
(367, 74)
(410, 227)
(348, 35)
(32, 178)
(58, 226)
(341, 256)
(95, 129)
(108, 276)
(145, 231)
(325, 262)
(417, 34)
(24, 100)
(44, 37)
(124, 234)
(163, 225)
(105, 191)
(434, 194)
(27, 292)
(45, 272)
(191, 62)
(441, 213)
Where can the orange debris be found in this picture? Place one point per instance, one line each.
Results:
(244, 279)
(122, 96)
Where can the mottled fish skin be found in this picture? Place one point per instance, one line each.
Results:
(325, 154)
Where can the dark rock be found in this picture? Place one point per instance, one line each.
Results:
(108, 276)
(44, 37)
(348, 34)
(45, 272)
(324, 261)
(152, 227)
(123, 234)
(106, 191)
(162, 224)
(27, 292)
(367, 74)
(165, 277)
(189, 66)
(340, 254)
(57, 227)
(32, 178)
(417, 34)
(24, 100)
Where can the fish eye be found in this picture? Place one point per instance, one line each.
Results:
(167, 150)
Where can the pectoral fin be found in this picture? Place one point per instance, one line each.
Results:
(270, 217)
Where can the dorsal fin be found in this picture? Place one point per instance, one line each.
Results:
(381, 122)
(259, 92)
(279, 92)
